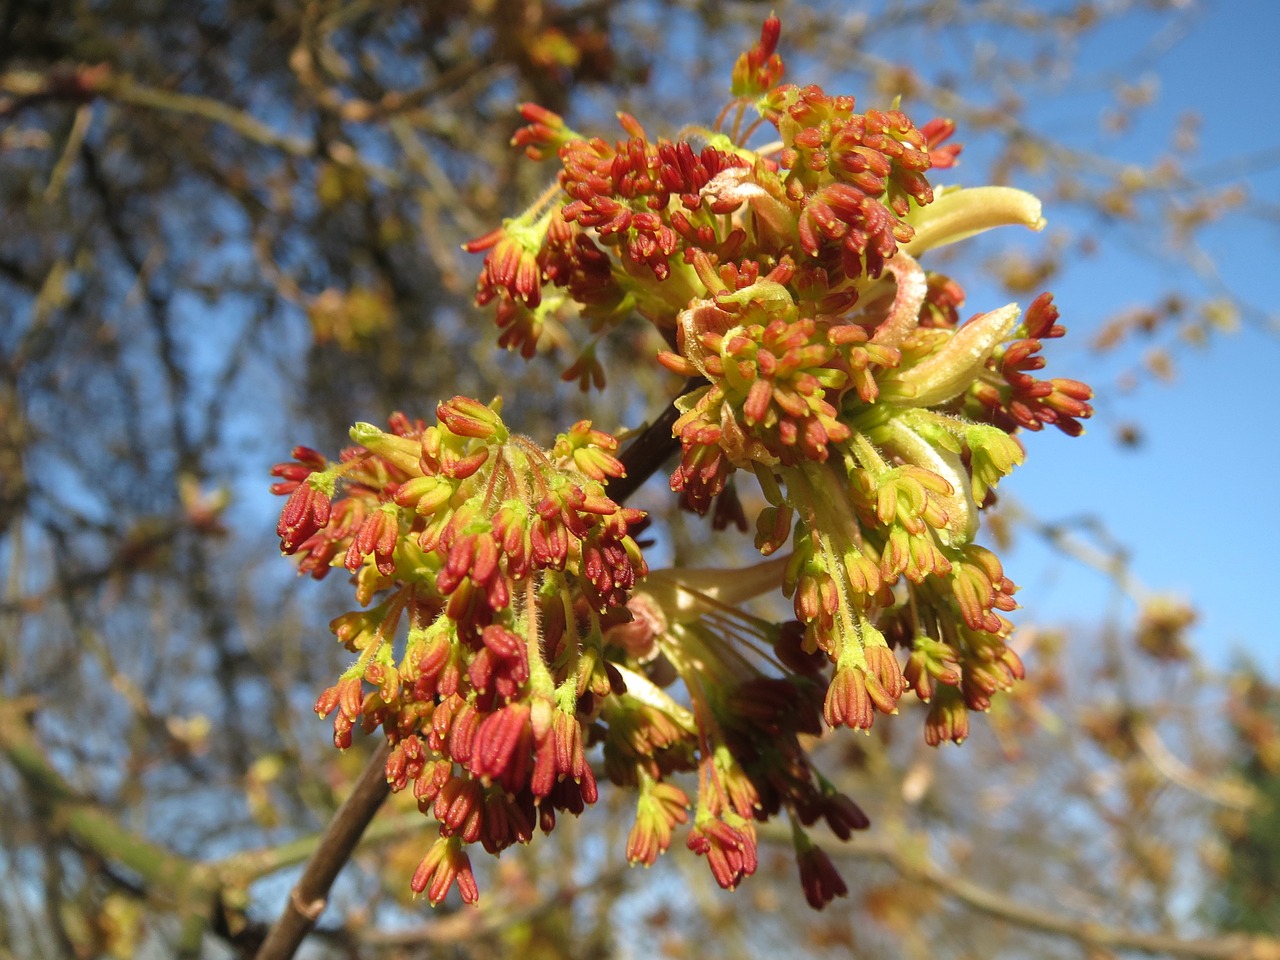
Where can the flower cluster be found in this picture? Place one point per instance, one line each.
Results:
(513, 630)
(496, 567)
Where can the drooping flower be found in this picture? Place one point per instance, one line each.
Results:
(445, 865)
(819, 879)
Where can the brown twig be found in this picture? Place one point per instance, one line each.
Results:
(646, 454)
(904, 854)
(309, 895)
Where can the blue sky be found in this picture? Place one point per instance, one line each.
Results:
(1195, 503)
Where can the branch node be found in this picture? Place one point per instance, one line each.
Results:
(309, 909)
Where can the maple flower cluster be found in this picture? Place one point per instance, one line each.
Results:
(502, 565)
(511, 642)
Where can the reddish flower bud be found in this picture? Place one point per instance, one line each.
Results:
(470, 418)
(884, 680)
(462, 732)
(661, 807)
(935, 132)
(351, 698)
(730, 852)
(499, 738)
(760, 68)
(430, 781)
(842, 815)
(459, 468)
(378, 535)
(544, 136)
(460, 808)
(347, 695)
(405, 763)
(506, 822)
(848, 703)
(819, 879)
(305, 512)
(446, 863)
(948, 718)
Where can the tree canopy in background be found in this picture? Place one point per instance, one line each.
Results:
(233, 227)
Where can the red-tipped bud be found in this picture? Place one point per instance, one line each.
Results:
(470, 418)
(759, 69)
(730, 852)
(948, 718)
(446, 864)
(848, 703)
(819, 879)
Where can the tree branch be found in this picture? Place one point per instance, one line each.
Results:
(238, 870)
(646, 454)
(168, 878)
(84, 83)
(995, 904)
(309, 895)
(28, 88)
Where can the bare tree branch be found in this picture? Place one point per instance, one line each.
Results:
(309, 895)
(169, 879)
(908, 864)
